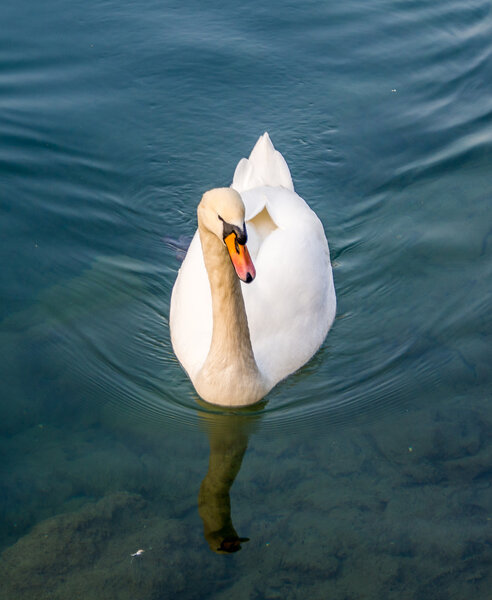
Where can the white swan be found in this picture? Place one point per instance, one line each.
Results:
(238, 340)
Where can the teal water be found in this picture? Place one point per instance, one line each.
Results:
(365, 475)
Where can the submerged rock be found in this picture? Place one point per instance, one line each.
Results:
(40, 562)
(89, 555)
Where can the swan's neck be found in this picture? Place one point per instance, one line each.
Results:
(230, 334)
(229, 375)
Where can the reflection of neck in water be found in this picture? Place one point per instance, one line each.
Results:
(228, 437)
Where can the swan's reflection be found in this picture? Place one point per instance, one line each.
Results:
(228, 436)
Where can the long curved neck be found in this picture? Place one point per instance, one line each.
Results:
(230, 335)
(229, 375)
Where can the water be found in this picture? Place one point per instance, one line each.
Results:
(365, 475)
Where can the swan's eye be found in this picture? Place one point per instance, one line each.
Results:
(240, 234)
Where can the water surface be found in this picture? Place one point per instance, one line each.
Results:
(367, 473)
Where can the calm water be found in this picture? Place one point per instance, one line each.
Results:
(365, 475)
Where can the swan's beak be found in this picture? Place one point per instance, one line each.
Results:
(240, 258)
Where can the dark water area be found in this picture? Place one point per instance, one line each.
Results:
(367, 474)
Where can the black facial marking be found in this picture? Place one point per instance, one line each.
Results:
(241, 235)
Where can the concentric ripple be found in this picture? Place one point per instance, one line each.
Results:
(389, 138)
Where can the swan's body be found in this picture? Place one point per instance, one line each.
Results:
(235, 340)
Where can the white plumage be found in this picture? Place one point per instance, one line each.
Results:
(291, 304)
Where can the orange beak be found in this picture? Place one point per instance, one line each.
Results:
(240, 258)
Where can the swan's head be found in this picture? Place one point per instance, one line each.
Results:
(221, 211)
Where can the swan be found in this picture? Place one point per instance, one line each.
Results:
(242, 318)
